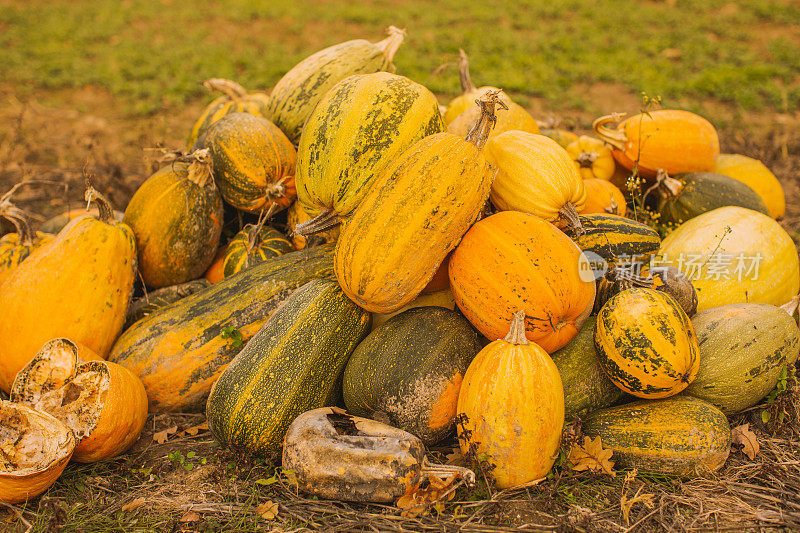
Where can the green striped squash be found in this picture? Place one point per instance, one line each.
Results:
(176, 216)
(614, 238)
(296, 95)
(646, 343)
(409, 371)
(289, 367)
(681, 435)
(181, 349)
(254, 245)
(684, 196)
(236, 99)
(359, 127)
(254, 162)
(586, 386)
(743, 349)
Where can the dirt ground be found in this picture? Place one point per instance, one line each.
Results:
(154, 488)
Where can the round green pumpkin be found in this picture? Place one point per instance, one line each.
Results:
(743, 348)
(586, 386)
(408, 371)
(254, 245)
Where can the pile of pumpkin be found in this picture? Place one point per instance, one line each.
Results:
(418, 265)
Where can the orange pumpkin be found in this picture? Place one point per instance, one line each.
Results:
(511, 405)
(78, 286)
(36, 449)
(672, 140)
(103, 403)
(216, 272)
(603, 197)
(592, 158)
(535, 175)
(440, 280)
(512, 261)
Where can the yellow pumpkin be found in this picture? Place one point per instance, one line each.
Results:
(16, 247)
(603, 197)
(592, 157)
(535, 175)
(78, 286)
(563, 137)
(511, 408)
(469, 93)
(35, 450)
(443, 298)
(758, 177)
(734, 255)
(513, 118)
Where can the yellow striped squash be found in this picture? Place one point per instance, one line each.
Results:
(615, 238)
(16, 247)
(299, 91)
(416, 212)
(236, 99)
(254, 245)
(359, 127)
(646, 343)
(469, 93)
(734, 255)
(513, 118)
(535, 175)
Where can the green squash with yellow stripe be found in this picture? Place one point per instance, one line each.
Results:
(254, 162)
(289, 367)
(646, 344)
(254, 245)
(236, 99)
(681, 436)
(299, 91)
(359, 127)
(409, 370)
(616, 238)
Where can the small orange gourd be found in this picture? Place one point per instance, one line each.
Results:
(665, 139)
(592, 158)
(512, 261)
(603, 197)
(511, 408)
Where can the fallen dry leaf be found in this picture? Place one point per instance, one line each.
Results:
(455, 457)
(742, 435)
(162, 436)
(194, 430)
(592, 456)
(134, 504)
(190, 516)
(626, 504)
(433, 490)
(268, 510)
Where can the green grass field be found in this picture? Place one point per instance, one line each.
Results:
(153, 54)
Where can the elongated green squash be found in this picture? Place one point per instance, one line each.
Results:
(176, 216)
(416, 213)
(360, 126)
(586, 386)
(685, 196)
(615, 238)
(679, 435)
(151, 301)
(410, 369)
(180, 350)
(743, 348)
(289, 367)
(296, 95)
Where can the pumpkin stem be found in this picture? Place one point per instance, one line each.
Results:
(230, 88)
(612, 136)
(392, 43)
(328, 219)
(19, 220)
(479, 133)
(463, 73)
(792, 305)
(587, 159)
(628, 280)
(103, 205)
(200, 167)
(667, 186)
(569, 215)
(516, 332)
(446, 471)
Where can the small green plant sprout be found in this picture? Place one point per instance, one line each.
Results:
(775, 406)
(185, 461)
(233, 336)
